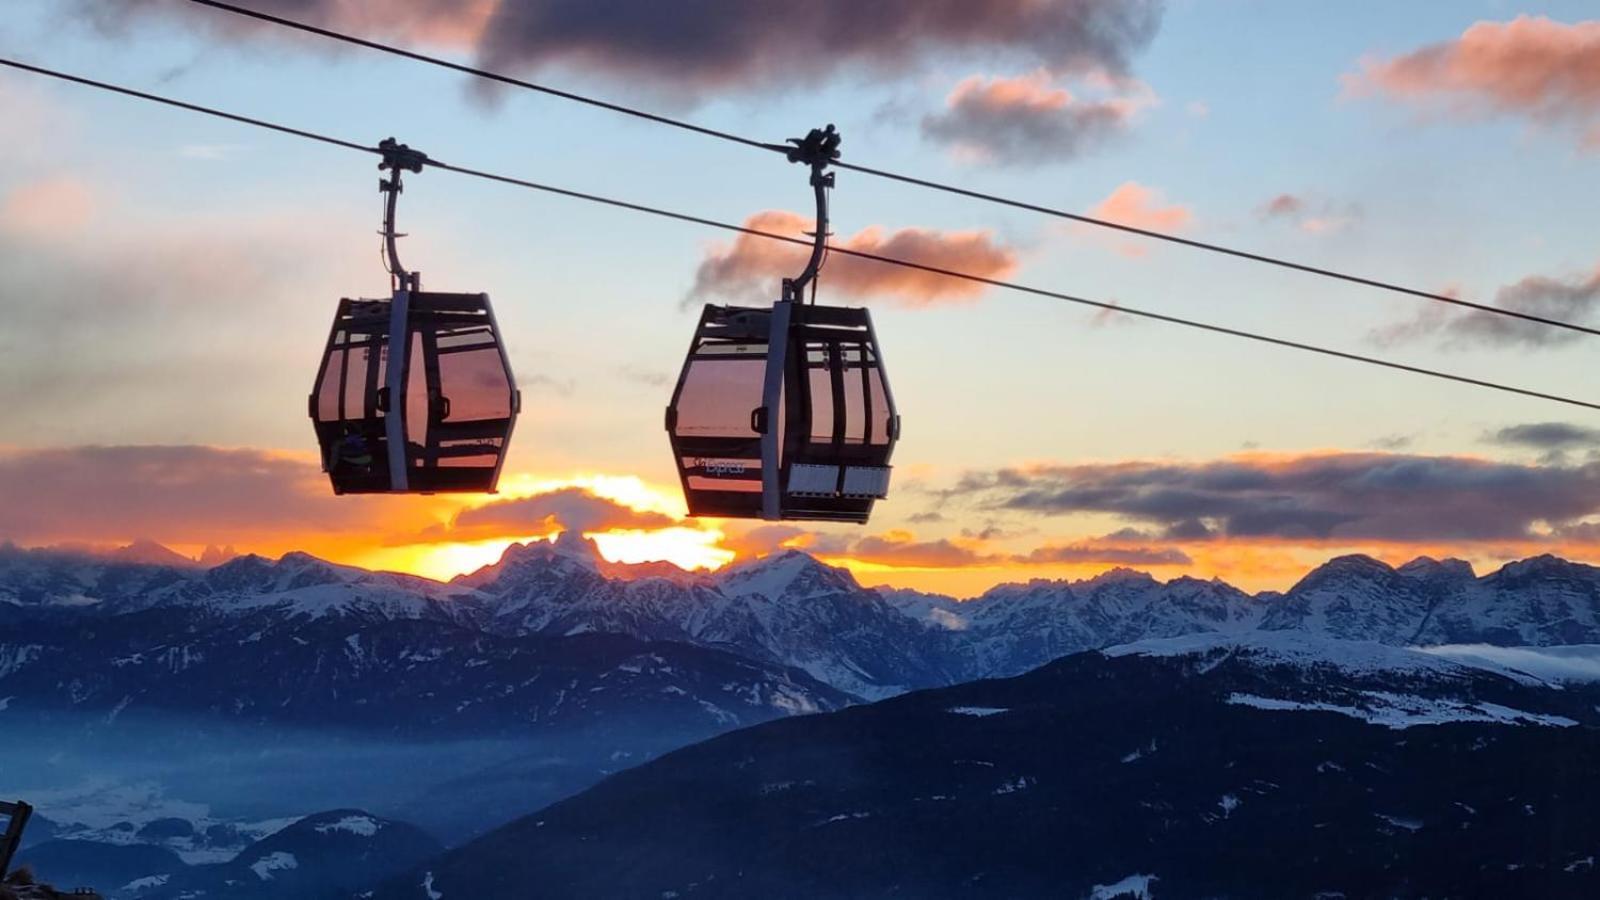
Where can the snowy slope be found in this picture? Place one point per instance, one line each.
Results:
(1259, 765)
(327, 854)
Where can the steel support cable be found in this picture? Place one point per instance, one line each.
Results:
(769, 235)
(944, 187)
(483, 73)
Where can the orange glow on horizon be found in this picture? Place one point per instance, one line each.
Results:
(1252, 567)
(685, 547)
(689, 546)
(441, 562)
(413, 535)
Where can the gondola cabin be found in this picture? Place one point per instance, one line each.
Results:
(783, 413)
(438, 421)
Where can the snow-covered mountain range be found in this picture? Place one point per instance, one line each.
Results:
(584, 668)
(790, 610)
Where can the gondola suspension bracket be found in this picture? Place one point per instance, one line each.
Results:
(818, 150)
(397, 158)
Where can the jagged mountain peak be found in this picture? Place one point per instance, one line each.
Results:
(656, 568)
(1358, 597)
(785, 573)
(1122, 576)
(575, 544)
(145, 551)
(567, 551)
(1545, 565)
(1351, 565)
(565, 545)
(214, 556)
(248, 566)
(1052, 587)
(1054, 590)
(1428, 567)
(300, 559)
(1186, 586)
(295, 569)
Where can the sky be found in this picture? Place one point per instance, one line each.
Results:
(167, 280)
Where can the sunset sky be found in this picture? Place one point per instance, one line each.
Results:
(167, 280)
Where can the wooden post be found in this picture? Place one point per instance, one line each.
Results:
(11, 838)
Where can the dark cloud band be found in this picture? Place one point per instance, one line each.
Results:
(568, 509)
(695, 45)
(1369, 496)
(1025, 120)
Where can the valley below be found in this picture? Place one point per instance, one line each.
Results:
(559, 726)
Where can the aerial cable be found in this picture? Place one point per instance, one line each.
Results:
(957, 190)
(484, 74)
(807, 242)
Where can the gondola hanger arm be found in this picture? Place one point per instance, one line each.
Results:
(397, 158)
(818, 150)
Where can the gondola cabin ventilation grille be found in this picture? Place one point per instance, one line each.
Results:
(784, 412)
(414, 393)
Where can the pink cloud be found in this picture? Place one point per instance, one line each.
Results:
(1137, 206)
(1283, 205)
(752, 267)
(1029, 119)
(1533, 67)
(1310, 215)
(180, 494)
(1134, 204)
(56, 206)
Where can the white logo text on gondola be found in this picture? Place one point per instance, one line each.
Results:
(721, 468)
